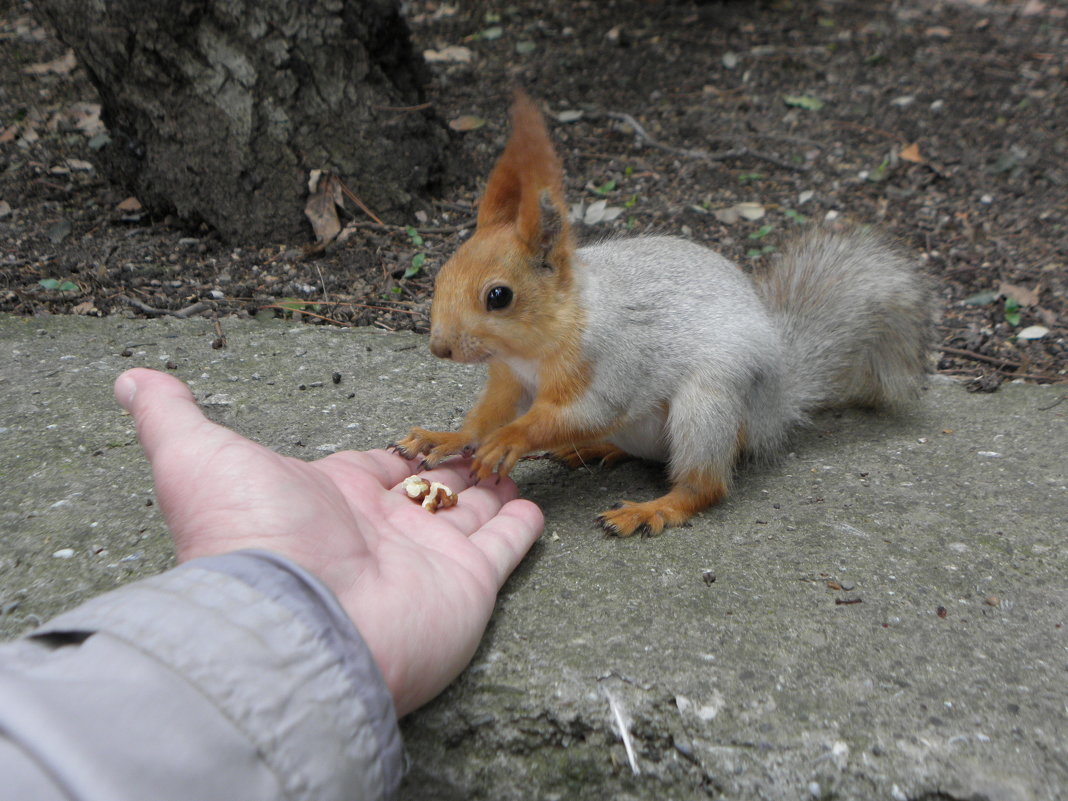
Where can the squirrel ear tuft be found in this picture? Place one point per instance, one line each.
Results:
(554, 231)
(526, 186)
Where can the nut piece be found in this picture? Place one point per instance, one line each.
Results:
(439, 497)
(434, 495)
(416, 487)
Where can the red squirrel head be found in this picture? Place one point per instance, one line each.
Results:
(503, 291)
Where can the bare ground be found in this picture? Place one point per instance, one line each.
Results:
(942, 122)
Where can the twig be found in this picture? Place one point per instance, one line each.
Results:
(1031, 377)
(868, 129)
(1057, 402)
(188, 311)
(440, 229)
(358, 202)
(322, 283)
(736, 152)
(301, 311)
(220, 337)
(384, 308)
(971, 354)
(291, 310)
(420, 107)
(624, 732)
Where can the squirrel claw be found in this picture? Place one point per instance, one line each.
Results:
(605, 526)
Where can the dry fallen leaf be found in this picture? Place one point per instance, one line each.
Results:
(60, 66)
(321, 209)
(740, 211)
(466, 122)
(88, 307)
(1021, 294)
(454, 54)
(597, 212)
(130, 204)
(1032, 332)
(912, 153)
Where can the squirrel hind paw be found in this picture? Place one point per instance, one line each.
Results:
(626, 519)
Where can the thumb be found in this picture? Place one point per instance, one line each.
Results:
(163, 409)
(506, 538)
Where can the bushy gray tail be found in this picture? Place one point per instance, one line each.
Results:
(856, 319)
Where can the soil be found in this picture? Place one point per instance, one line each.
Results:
(942, 122)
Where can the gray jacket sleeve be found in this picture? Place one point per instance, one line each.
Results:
(231, 677)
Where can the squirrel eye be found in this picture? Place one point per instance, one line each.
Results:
(498, 298)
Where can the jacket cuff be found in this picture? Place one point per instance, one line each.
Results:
(273, 651)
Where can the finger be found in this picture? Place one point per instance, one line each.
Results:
(386, 468)
(163, 409)
(507, 537)
(476, 506)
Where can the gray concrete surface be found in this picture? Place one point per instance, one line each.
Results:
(946, 678)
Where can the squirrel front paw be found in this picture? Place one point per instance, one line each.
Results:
(434, 446)
(499, 453)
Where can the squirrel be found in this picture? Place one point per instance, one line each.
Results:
(656, 347)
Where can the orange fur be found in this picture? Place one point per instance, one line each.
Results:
(497, 405)
(524, 242)
(528, 167)
(689, 495)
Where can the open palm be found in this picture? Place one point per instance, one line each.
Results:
(419, 587)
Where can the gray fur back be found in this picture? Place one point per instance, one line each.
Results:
(669, 319)
(839, 319)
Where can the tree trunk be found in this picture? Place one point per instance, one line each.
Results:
(218, 109)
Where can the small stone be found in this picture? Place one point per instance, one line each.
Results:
(63, 553)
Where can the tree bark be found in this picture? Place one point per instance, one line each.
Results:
(218, 109)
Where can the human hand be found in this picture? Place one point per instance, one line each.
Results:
(420, 587)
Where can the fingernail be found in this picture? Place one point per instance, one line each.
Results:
(125, 390)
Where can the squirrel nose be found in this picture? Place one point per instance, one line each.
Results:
(440, 349)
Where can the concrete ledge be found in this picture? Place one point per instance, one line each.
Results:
(878, 615)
